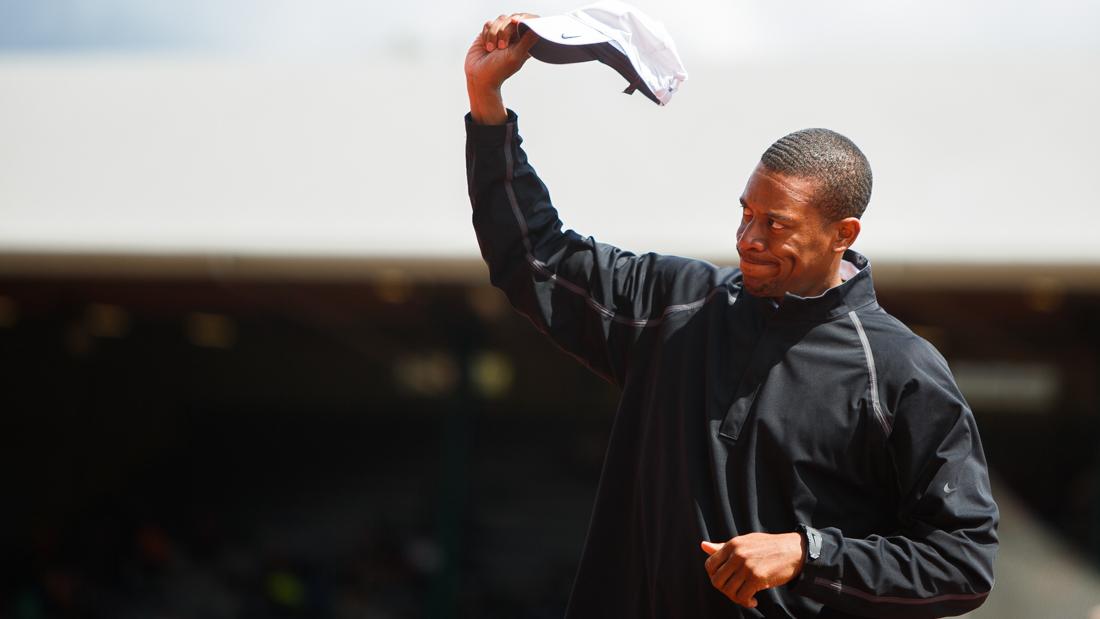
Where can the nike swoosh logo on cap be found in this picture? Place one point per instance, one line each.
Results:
(571, 36)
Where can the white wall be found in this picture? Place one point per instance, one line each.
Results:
(296, 138)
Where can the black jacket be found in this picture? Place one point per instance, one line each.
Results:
(741, 415)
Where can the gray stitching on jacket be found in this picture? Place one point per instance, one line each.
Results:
(508, 170)
(875, 404)
(539, 266)
(841, 588)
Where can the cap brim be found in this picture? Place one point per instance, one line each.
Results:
(564, 30)
(565, 40)
(562, 39)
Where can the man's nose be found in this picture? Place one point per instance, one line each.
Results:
(749, 238)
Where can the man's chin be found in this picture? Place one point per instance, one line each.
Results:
(758, 287)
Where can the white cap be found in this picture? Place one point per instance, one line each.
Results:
(618, 35)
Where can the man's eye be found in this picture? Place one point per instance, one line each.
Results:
(774, 225)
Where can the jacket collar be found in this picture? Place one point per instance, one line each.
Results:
(858, 291)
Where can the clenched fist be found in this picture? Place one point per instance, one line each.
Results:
(753, 562)
(494, 56)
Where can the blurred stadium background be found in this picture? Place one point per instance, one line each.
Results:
(249, 362)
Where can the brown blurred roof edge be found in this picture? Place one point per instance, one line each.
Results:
(466, 270)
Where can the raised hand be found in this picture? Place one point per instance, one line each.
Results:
(495, 55)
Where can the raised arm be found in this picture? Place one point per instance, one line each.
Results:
(593, 299)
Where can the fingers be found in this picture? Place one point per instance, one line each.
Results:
(737, 582)
(485, 37)
(729, 573)
(727, 578)
(497, 32)
(717, 557)
(504, 35)
(746, 589)
(501, 32)
(721, 565)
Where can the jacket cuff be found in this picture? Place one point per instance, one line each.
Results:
(491, 135)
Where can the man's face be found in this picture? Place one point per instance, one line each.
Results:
(785, 242)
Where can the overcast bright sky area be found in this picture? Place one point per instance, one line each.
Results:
(327, 127)
(704, 29)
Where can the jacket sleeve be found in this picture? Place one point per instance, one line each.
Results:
(593, 299)
(940, 560)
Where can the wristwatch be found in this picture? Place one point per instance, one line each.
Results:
(813, 541)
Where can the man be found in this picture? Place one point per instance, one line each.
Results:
(775, 409)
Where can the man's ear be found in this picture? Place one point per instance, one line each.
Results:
(847, 230)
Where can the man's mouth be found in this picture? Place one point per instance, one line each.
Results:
(756, 261)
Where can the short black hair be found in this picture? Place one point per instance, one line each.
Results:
(835, 162)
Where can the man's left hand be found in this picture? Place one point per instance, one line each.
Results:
(753, 562)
